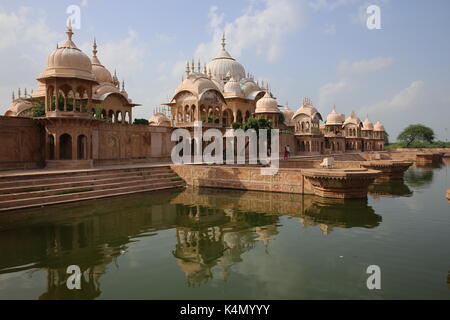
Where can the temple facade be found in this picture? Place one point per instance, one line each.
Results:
(80, 115)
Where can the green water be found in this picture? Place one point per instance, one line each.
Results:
(221, 244)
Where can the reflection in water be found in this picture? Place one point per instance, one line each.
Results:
(419, 177)
(391, 189)
(214, 228)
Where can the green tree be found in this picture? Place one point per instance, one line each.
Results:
(38, 109)
(416, 133)
(386, 138)
(141, 121)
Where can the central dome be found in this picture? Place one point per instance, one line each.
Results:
(223, 64)
(68, 61)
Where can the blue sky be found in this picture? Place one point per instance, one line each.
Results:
(316, 48)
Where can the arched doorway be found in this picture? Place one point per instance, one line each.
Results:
(65, 147)
(82, 147)
(51, 147)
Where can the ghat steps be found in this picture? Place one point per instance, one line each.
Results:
(40, 188)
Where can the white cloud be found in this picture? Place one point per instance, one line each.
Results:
(361, 67)
(330, 30)
(263, 30)
(27, 26)
(329, 4)
(329, 92)
(407, 98)
(126, 55)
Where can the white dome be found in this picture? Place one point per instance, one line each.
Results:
(232, 87)
(367, 125)
(378, 126)
(267, 104)
(288, 115)
(223, 64)
(335, 118)
(352, 119)
(159, 119)
(308, 110)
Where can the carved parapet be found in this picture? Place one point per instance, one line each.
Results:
(341, 183)
(390, 169)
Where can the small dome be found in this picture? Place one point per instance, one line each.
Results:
(307, 109)
(267, 104)
(232, 87)
(378, 126)
(249, 86)
(223, 64)
(159, 119)
(197, 83)
(68, 61)
(367, 125)
(19, 108)
(352, 119)
(335, 118)
(288, 115)
(102, 75)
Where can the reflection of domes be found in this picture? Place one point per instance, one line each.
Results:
(223, 64)
(378, 126)
(335, 118)
(68, 61)
(267, 104)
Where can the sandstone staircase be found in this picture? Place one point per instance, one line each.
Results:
(47, 188)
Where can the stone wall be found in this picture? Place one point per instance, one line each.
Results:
(122, 143)
(22, 144)
(244, 178)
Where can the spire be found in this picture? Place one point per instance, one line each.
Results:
(69, 31)
(193, 66)
(223, 41)
(188, 71)
(199, 66)
(25, 92)
(13, 96)
(334, 109)
(123, 86)
(204, 69)
(18, 93)
(94, 51)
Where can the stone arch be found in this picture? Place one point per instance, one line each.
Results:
(65, 147)
(82, 148)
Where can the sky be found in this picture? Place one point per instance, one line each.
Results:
(322, 49)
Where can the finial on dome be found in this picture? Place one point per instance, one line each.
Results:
(69, 31)
(223, 41)
(25, 93)
(204, 69)
(123, 86)
(193, 65)
(199, 66)
(94, 51)
(13, 96)
(18, 93)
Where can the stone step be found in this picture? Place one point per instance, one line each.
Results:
(36, 186)
(64, 198)
(42, 174)
(67, 188)
(93, 195)
(34, 180)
